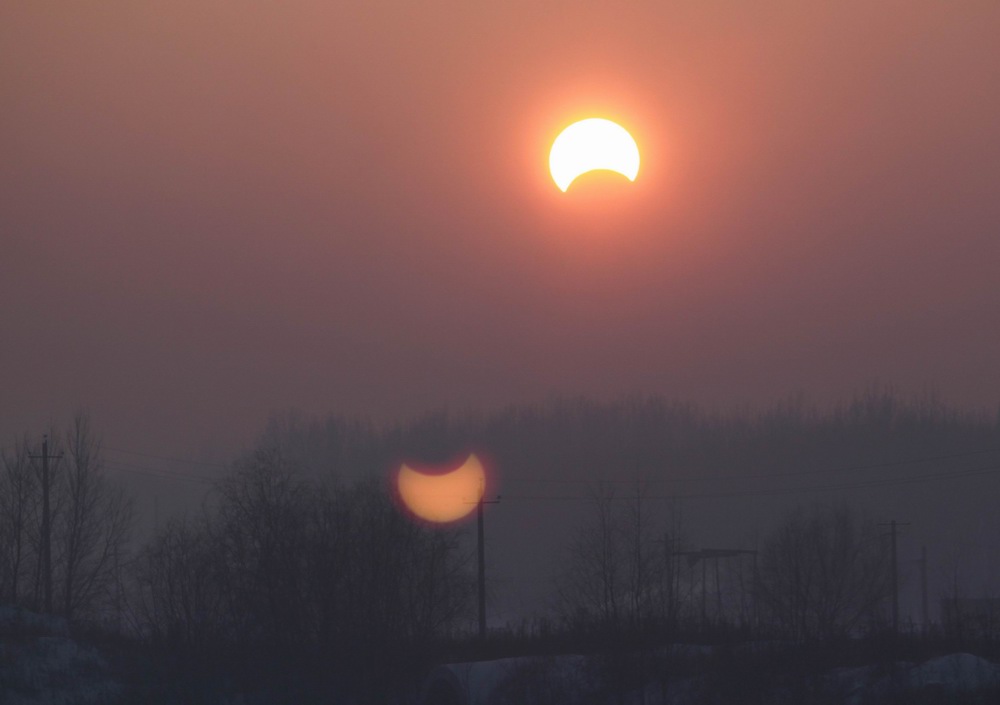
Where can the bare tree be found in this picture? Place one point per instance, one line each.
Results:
(91, 525)
(260, 530)
(589, 588)
(613, 575)
(283, 571)
(823, 573)
(178, 602)
(402, 579)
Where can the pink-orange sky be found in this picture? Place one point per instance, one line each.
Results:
(214, 210)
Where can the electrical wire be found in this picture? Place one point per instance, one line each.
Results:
(164, 457)
(764, 476)
(885, 482)
(153, 472)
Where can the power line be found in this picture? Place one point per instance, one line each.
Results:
(186, 461)
(963, 544)
(152, 472)
(765, 476)
(885, 482)
(165, 475)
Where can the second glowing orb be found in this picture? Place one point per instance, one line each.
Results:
(442, 497)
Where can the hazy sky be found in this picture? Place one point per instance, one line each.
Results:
(213, 210)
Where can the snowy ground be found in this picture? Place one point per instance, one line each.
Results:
(558, 680)
(41, 665)
(951, 674)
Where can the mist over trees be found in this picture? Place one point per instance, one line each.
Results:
(726, 476)
(284, 576)
(298, 571)
(640, 438)
(824, 573)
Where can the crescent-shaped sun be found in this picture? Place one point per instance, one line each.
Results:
(442, 497)
(594, 143)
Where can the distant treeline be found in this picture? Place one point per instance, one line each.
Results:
(640, 437)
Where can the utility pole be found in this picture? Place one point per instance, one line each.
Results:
(895, 583)
(482, 564)
(704, 602)
(958, 617)
(923, 588)
(895, 574)
(46, 524)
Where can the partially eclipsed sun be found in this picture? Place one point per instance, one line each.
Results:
(594, 143)
(442, 497)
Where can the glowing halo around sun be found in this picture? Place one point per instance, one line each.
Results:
(444, 497)
(594, 143)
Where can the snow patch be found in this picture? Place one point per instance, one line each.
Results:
(41, 665)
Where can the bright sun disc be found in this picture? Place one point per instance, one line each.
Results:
(594, 143)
